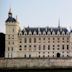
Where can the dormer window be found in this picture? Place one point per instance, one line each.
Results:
(53, 33)
(58, 33)
(46, 29)
(63, 33)
(49, 33)
(34, 33)
(30, 33)
(39, 33)
(51, 29)
(44, 33)
(25, 33)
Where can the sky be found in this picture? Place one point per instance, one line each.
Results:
(37, 13)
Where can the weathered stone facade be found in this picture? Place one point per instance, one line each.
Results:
(38, 42)
(36, 63)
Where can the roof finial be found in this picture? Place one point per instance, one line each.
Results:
(59, 23)
(10, 13)
(10, 10)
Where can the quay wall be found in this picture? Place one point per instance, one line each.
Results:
(35, 63)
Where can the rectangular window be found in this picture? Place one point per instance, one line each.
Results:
(29, 40)
(20, 49)
(43, 38)
(9, 42)
(20, 42)
(62, 38)
(58, 45)
(48, 47)
(67, 39)
(8, 49)
(58, 38)
(53, 41)
(12, 48)
(25, 46)
(43, 47)
(25, 40)
(53, 48)
(39, 38)
(29, 45)
(63, 47)
(13, 29)
(39, 47)
(34, 45)
(53, 38)
(67, 47)
(13, 43)
(12, 36)
(53, 45)
(34, 40)
(8, 36)
(48, 38)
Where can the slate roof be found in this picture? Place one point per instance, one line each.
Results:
(46, 29)
(11, 19)
(71, 31)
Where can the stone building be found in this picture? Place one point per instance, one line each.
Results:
(36, 42)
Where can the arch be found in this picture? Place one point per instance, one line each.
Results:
(58, 55)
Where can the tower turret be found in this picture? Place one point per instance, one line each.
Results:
(11, 38)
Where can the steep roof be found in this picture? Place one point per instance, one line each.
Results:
(46, 29)
(11, 19)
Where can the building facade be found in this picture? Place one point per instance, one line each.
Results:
(40, 42)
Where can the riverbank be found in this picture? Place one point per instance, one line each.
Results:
(21, 63)
(38, 70)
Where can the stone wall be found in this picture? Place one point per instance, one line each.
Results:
(35, 63)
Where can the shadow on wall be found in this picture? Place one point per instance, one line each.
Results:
(2, 44)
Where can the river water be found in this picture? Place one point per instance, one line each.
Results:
(36, 70)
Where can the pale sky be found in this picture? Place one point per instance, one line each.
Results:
(37, 13)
